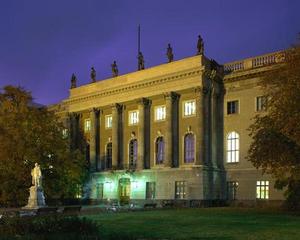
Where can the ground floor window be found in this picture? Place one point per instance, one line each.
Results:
(232, 190)
(262, 189)
(150, 190)
(99, 191)
(180, 189)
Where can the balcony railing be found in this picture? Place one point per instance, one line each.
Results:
(250, 63)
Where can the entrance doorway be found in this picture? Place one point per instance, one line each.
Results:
(124, 190)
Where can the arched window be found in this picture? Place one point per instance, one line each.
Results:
(159, 150)
(233, 147)
(133, 149)
(109, 155)
(189, 148)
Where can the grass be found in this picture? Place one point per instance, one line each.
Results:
(202, 224)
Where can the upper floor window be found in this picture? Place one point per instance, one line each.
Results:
(160, 113)
(159, 150)
(133, 149)
(261, 103)
(233, 147)
(87, 125)
(180, 189)
(189, 148)
(262, 189)
(108, 121)
(133, 117)
(233, 107)
(108, 163)
(189, 108)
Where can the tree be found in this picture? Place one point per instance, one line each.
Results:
(276, 135)
(30, 134)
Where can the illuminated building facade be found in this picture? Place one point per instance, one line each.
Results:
(177, 131)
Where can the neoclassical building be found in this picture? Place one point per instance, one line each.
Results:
(176, 131)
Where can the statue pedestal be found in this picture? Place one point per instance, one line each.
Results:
(36, 198)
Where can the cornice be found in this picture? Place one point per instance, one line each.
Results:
(130, 87)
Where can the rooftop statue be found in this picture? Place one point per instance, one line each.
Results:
(200, 46)
(141, 62)
(73, 81)
(114, 69)
(170, 53)
(93, 74)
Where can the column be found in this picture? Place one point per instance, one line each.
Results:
(115, 135)
(93, 139)
(170, 131)
(214, 124)
(142, 103)
(200, 138)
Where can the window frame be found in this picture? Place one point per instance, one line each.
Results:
(156, 151)
(234, 152)
(155, 113)
(87, 127)
(232, 187)
(107, 117)
(184, 148)
(193, 114)
(129, 117)
(132, 163)
(106, 155)
(238, 107)
(180, 191)
(152, 192)
(264, 106)
(262, 190)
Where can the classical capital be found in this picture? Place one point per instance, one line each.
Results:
(171, 96)
(143, 101)
(116, 106)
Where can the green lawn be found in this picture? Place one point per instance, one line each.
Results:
(206, 223)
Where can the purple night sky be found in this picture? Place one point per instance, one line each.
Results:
(44, 42)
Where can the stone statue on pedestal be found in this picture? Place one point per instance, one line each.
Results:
(170, 53)
(93, 74)
(200, 46)
(73, 81)
(36, 198)
(141, 62)
(114, 69)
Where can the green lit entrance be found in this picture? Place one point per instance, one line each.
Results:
(124, 190)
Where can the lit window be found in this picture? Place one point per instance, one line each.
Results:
(232, 107)
(108, 121)
(108, 164)
(233, 147)
(150, 190)
(232, 190)
(261, 103)
(262, 189)
(189, 108)
(133, 117)
(189, 148)
(133, 148)
(160, 113)
(65, 133)
(180, 188)
(87, 125)
(159, 150)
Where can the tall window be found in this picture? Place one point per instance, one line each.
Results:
(65, 132)
(133, 148)
(133, 117)
(233, 107)
(108, 121)
(160, 113)
(99, 190)
(261, 103)
(189, 108)
(232, 190)
(109, 155)
(262, 189)
(189, 148)
(150, 190)
(160, 150)
(180, 188)
(233, 147)
(87, 125)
